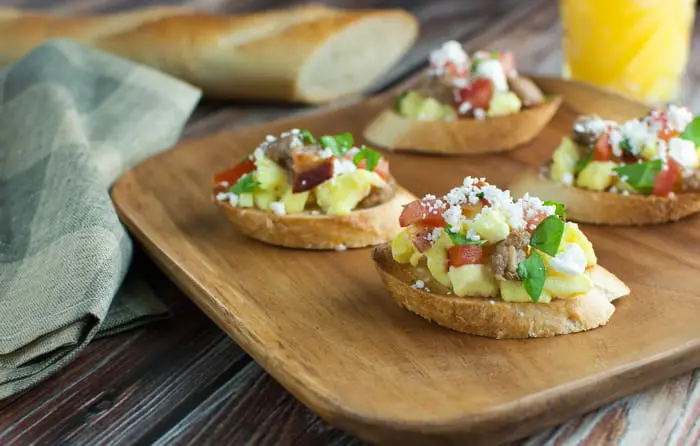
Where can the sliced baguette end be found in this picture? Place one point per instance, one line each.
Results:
(461, 136)
(605, 208)
(360, 228)
(495, 318)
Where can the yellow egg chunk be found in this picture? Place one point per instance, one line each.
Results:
(597, 175)
(514, 291)
(415, 258)
(402, 248)
(649, 150)
(340, 195)
(263, 198)
(491, 225)
(473, 280)
(268, 173)
(246, 200)
(567, 287)
(503, 104)
(295, 203)
(437, 258)
(572, 234)
(564, 161)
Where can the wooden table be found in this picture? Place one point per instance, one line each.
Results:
(184, 381)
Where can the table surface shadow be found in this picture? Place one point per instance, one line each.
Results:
(184, 381)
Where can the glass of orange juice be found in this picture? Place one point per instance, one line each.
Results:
(635, 47)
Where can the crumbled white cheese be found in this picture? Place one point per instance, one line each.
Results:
(464, 107)
(479, 113)
(615, 140)
(624, 193)
(493, 69)
(679, 117)
(296, 143)
(419, 285)
(233, 199)
(222, 196)
(638, 134)
(315, 212)
(325, 153)
(270, 138)
(278, 208)
(451, 52)
(492, 302)
(342, 165)
(570, 262)
(295, 131)
(433, 236)
(683, 152)
(472, 235)
(567, 178)
(671, 195)
(224, 184)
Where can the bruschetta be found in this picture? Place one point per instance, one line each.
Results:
(299, 191)
(642, 171)
(465, 105)
(479, 262)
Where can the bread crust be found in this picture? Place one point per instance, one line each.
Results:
(606, 208)
(273, 55)
(465, 136)
(496, 318)
(360, 228)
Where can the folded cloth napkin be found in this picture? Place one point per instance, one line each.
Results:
(72, 119)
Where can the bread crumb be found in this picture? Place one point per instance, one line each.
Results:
(522, 314)
(492, 302)
(341, 248)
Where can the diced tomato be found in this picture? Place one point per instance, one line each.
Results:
(533, 220)
(666, 179)
(382, 168)
(666, 133)
(508, 62)
(232, 175)
(459, 255)
(426, 212)
(478, 94)
(603, 150)
(457, 70)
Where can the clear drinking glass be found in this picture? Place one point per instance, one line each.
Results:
(636, 47)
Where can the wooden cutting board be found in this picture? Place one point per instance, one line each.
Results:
(322, 324)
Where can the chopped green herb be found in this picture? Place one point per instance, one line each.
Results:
(307, 137)
(372, 158)
(583, 162)
(480, 195)
(626, 146)
(692, 132)
(548, 234)
(559, 208)
(402, 96)
(459, 239)
(495, 54)
(245, 184)
(338, 144)
(532, 272)
(640, 176)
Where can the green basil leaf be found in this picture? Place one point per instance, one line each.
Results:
(547, 235)
(583, 162)
(338, 144)
(626, 146)
(460, 239)
(532, 272)
(372, 158)
(692, 132)
(559, 208)
(245, 184)
(307, 137)
(640, 176)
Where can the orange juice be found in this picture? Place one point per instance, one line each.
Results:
(636, 47)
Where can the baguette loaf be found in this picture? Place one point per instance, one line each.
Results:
(496, 318)
(309, 54)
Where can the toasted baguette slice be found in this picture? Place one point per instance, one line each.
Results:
(360, 228)
(496, 318)
(607, 208)
(466, 136)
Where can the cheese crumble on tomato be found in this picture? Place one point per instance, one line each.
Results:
(478, 241)
(295, 172)
(653, 155)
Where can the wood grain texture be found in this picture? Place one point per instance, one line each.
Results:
(329, 333)
(665, 414)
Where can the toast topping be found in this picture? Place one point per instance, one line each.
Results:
(486, 84)
(295, 173)
(657, 154)
(477, 240)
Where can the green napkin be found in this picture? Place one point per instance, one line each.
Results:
(72, 120)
